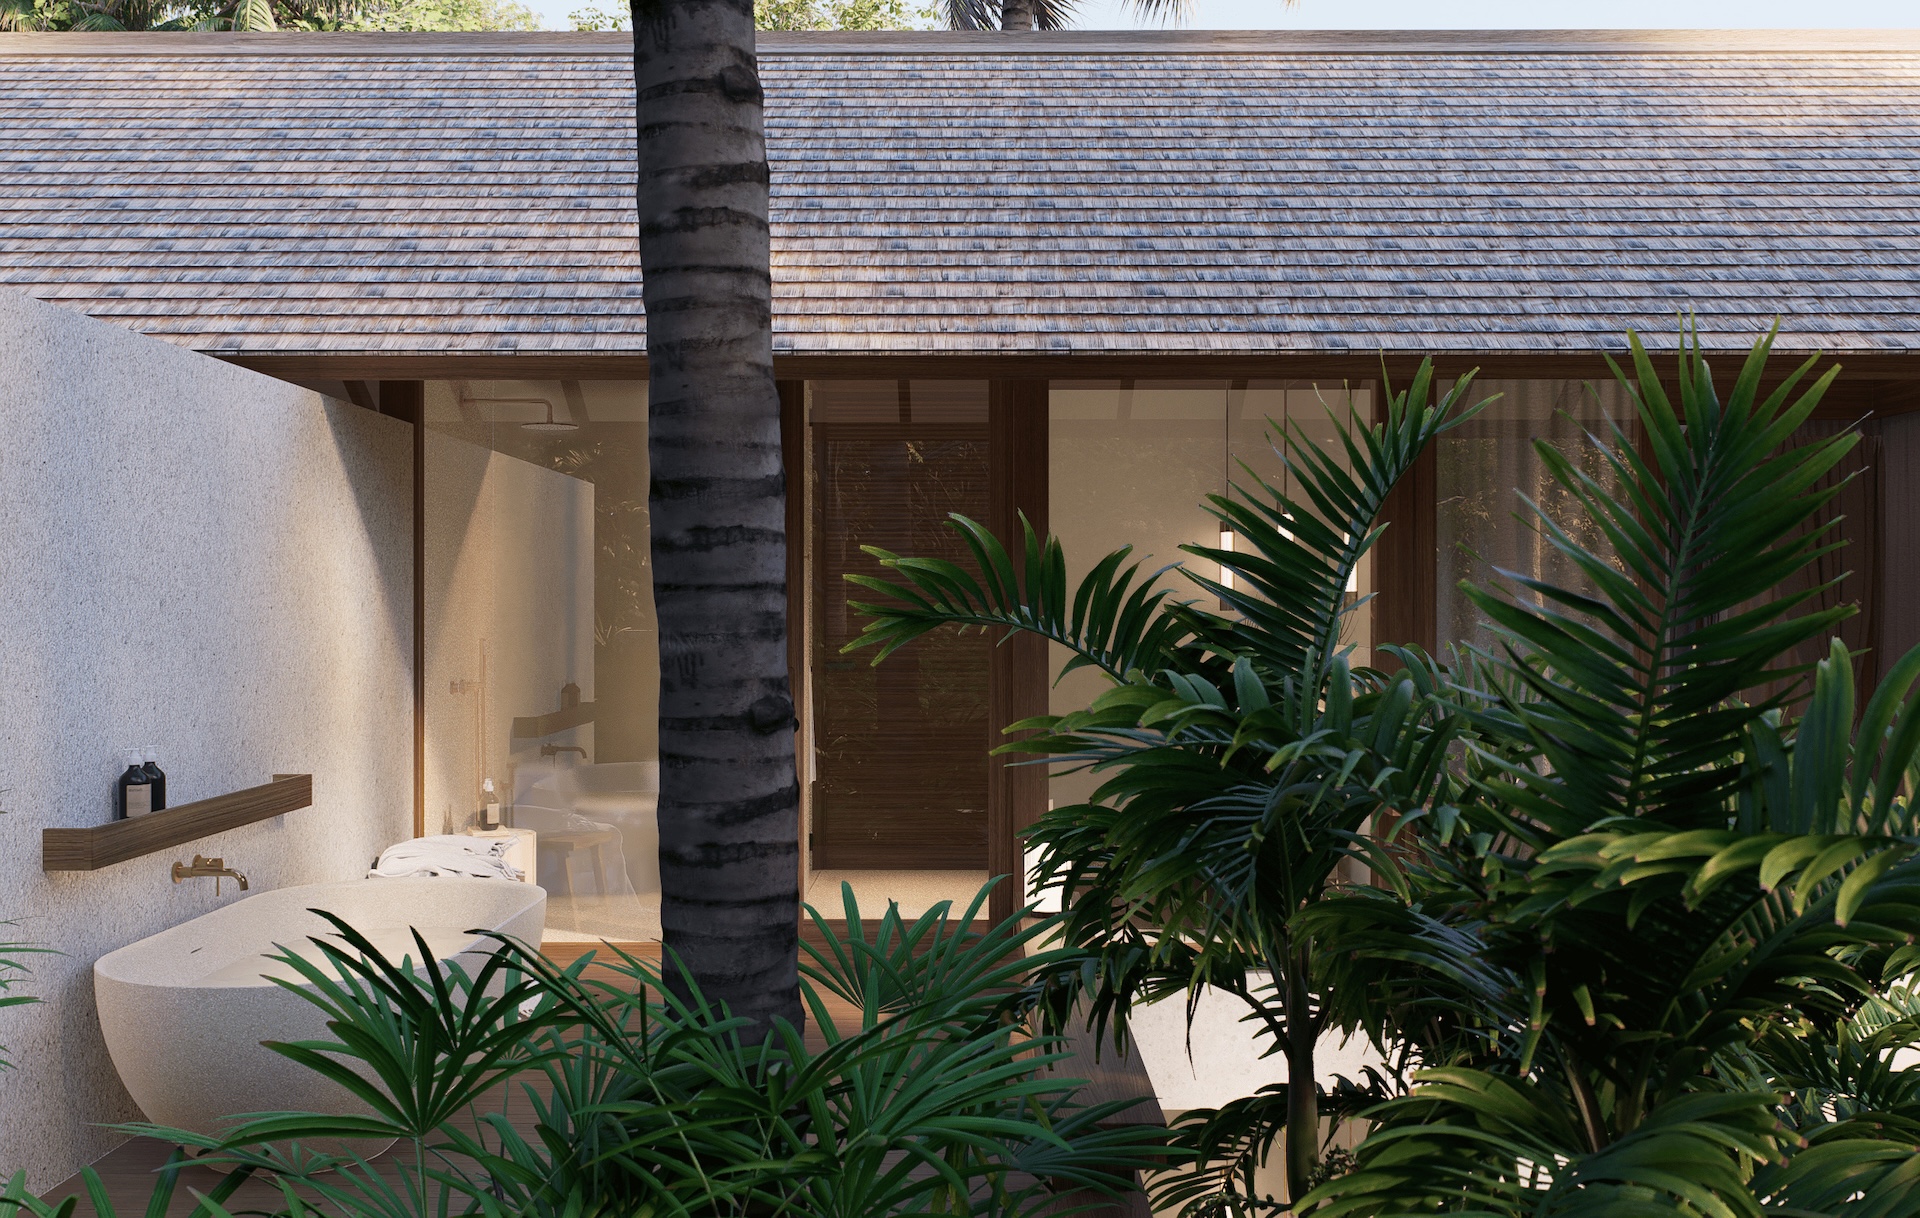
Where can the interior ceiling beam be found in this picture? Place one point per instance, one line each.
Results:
(361, 394)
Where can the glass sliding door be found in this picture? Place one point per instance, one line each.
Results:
(1132, 462)
(1481, 470)
(542, 688)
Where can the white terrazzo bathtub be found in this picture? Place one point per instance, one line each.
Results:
(184, 1011)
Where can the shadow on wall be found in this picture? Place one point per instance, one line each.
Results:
(203, 558)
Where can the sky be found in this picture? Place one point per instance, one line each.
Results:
(1468, 14)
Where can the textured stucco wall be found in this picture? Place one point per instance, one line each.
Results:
(206, 559)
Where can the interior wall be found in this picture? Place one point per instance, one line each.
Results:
(212, 561)
(1132, 463)
(539, 599)
(509, 562)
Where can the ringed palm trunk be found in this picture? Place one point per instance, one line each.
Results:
(1016, 15)
(1302, 1138)
(729, 802)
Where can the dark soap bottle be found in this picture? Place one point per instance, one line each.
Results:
(133, 795)
(151, 757)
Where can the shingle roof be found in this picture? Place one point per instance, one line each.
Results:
(937, 194)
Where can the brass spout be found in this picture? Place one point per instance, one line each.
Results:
(204, 867)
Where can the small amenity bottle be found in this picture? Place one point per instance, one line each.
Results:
(134, 795)
(490, 808)
(150, 758)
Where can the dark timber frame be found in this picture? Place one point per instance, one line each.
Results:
(1017, 677)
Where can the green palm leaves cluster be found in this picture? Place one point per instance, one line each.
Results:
(932, 1095)
(1642, 932)
(1242, 753)
(1664, 880)
(11, 972)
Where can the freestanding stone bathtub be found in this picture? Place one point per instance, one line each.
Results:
(184, 1011)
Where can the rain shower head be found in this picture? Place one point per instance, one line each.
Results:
(547, 424)
(550, 423)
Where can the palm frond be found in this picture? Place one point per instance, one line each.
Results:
(1630, 694)
(252, 15)
(1294, 557)
(1115, 621)
(1166, 12)
(1054, 14)
(968, 14)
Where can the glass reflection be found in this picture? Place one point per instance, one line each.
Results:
(541, 655)
(1484, 466)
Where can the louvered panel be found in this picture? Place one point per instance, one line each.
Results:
(900, 748)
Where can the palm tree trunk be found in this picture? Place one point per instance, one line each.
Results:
(729, 802)
(1303, 1097)
(1016, 15)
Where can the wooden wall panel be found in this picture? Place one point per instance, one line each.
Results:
(1018, 680)
(407, 401)
(1899, 587)
(901, 781)
(1404, 562)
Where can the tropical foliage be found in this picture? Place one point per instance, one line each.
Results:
(1641, 939)
(930, 1096)
(12, 970)
(395, 16)
(840, 15)
(1043, 14)
(1244, 756)
(1654, 955)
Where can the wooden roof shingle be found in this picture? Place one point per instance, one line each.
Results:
(944, 194)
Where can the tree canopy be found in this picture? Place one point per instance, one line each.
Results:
(359, 16)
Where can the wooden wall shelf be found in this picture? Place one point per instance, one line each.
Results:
(120, 840)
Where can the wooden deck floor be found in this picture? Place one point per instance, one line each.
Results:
(127, 1172)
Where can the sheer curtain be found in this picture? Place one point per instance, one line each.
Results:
(1482, 470)
(1852, 518)
(1484, 467)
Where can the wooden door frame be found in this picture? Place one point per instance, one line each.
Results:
(407, 401)
(1406, 558)
(793, 463)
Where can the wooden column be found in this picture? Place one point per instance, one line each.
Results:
(1017, 673)
(1404, 559)
(793, 461)
(407, 401)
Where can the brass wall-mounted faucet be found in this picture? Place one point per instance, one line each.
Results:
(204, 867)
(554, 750)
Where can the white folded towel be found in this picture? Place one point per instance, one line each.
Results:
(447, 854)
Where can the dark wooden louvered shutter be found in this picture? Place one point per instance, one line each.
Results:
(901, 749)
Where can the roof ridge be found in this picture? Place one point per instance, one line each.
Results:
(909, 42)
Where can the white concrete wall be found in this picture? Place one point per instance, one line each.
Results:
(206, 559)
